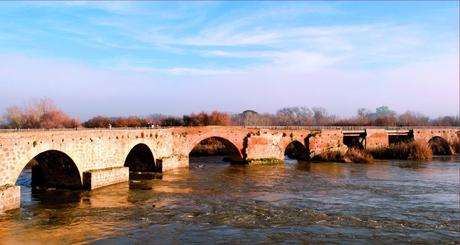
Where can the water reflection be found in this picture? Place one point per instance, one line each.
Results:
(218, 202)
(331, 170)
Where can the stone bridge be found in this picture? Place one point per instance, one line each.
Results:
(90, 159)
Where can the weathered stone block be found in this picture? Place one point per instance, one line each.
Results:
(10, 197)
(327, 140)
(376, 138)
(173, 162)
(262, 147)
(102, 177)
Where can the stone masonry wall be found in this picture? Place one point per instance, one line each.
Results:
(427, 134)
(103, 177)
(326, 140)
(9, 197)
(269, 145)
(376, 138)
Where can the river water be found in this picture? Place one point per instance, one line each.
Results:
(215, 202)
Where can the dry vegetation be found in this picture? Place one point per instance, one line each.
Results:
(39, 114)
(456, 146)
(330, 156)
(353, 155)
(358, 156)
(317, 116)
(413, 150)
(45, 114)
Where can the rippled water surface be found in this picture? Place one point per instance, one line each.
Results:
(214, 202)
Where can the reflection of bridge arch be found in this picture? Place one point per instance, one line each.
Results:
(54, 168)
(440, 146)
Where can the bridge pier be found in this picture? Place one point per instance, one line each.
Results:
(10, 197)
(93, 179)
(376, 138)
(172, 162)
(264, 148)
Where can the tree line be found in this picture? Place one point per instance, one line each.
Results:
(45, 114)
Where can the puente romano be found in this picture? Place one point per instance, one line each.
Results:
(89, 159)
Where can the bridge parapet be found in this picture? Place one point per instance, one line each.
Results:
(426, 134)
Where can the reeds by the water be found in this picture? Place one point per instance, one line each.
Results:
(330, 156)
(358, 156)
(352, 155)
(413, 150)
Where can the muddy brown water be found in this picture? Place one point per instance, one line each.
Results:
(214, 202)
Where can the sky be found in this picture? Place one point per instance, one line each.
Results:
(139, 58)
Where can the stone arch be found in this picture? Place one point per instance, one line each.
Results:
(296, 150)
(53, 168)
(440, 146)
(231, 149)
(141, 158)
(20, 164)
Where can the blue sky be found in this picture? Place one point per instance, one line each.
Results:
(138, 58)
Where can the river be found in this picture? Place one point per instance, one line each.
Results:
(215, 202)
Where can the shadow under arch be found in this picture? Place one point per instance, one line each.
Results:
(354, 142)
(217, 146)
(440, 146)
(140, 159)
(51, 169)
(296, 150)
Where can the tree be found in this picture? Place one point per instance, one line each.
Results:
(42, 113)
(410, 118)
(98, 122)
(294, 116)
(171, 122)
(205, 119)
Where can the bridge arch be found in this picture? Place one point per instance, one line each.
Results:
(52, 169)
(296, 150)
(141, 158)
(440, 146)
(216, 145)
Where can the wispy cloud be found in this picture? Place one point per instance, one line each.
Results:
(205, 48)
